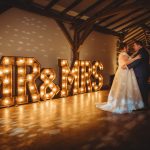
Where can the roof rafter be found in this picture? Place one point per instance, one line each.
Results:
(138, 23)
(121, 18)
(131, 20)
(88, 9)
(51, 4)
(109, 12)
(74, 4)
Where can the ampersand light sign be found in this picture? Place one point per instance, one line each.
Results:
(21, 88)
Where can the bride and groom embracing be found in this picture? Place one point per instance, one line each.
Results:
(129, 89)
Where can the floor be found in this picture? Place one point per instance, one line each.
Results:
(73, 123)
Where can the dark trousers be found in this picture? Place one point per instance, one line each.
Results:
(143, 86)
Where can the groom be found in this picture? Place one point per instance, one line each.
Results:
(141, 67)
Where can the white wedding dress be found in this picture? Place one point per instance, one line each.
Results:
(124, 96)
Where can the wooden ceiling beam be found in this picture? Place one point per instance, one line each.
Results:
(123, 17)
(144, 3)
(132, 29)
(105, 19)
(131, 20)
(135, 36)
(3, 8)
(88, 9)
(102, 29)
(51, 4)
(109, 12)
(74, 4)
(145, 27)
(138, 23)
(132, 33)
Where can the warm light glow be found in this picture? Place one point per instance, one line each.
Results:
(29, 78)
(6, 91)
(32, 87)
(96, 68)
(82, 77)
(21, 61)
(6, 71)
(6, 80)
(68, 76)
(6, 61)
(21, 80)
(48, 76)
(21, 71)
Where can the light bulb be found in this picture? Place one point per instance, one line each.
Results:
(6, 70)
(35, 69)
(75, 90)
(6, 101)
(21, 61)
(47, 81)
(42, 76)
(51, 85)
(1, 72)
(6, 91)
(47, 71)
(29, 78)
(47, 95)
(21, 70)
(30, 61)
(67, 71)
(21, 89)
(6, 81)
(20, 99)
(31, 87)
(87, 63)
(6, 61)
(42, 93)
(34, 96)
(63, 85)
(54, 89)
(21, 80)
(82, 89)
(63, 92)
(42, 87)
(63, 62)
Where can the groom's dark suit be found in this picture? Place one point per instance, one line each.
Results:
(141, 69)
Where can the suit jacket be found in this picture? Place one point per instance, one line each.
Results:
(141, 66)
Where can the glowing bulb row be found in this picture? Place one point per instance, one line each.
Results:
(6, 78)
(47, 76)
(80, 76)
(80, 79)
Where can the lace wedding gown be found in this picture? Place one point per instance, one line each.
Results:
(124, 96)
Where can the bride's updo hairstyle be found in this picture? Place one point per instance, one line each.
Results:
(123, 46)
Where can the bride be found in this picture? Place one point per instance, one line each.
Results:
(124, 95)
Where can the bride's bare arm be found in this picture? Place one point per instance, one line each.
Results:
(133, 59)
